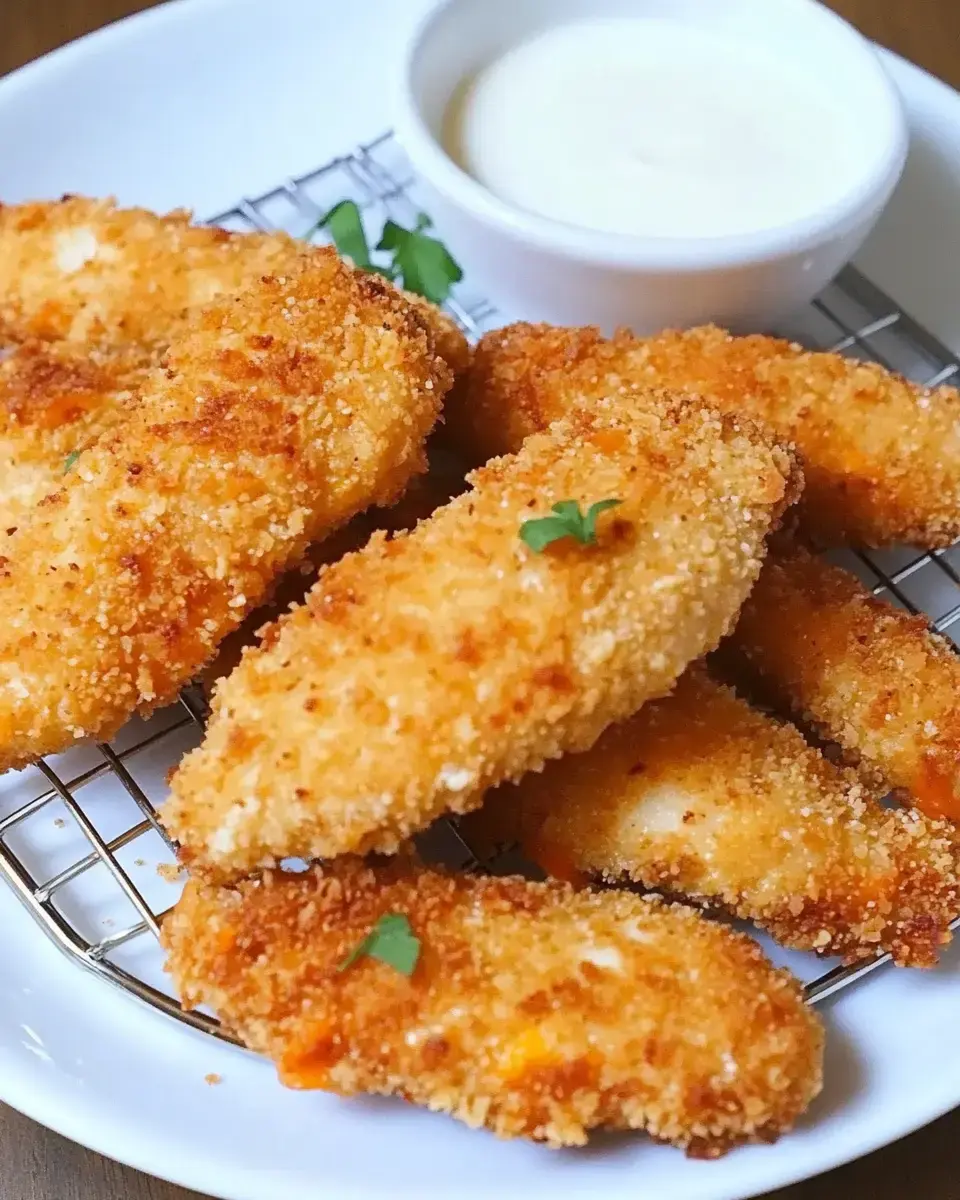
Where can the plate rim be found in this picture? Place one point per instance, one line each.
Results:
(47, 1105)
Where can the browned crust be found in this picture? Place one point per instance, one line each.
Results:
(54, 399)
(533, 1011)
(281, 412)
(882, 455)
(871, 677)
(473, 659)
(91, 273)
(702, 796)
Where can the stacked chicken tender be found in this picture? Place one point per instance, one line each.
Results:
(226, 404)
(701, 795)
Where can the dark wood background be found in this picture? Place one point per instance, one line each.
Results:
(38, 1165)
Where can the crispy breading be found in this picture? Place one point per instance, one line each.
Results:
(866, 675)
(425, 669)
(84, 270)
(55, 398)
(89, 272)
(282, 412)
(881, 455)
(423, 496)
(533, 1011)
(90, 297)
(704, 797)
(451, 344)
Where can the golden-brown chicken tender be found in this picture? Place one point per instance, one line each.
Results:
(866, 675)
(425, 669)
(532, 1011)
(704, 797)
(90, 297)
(89, 272)
(881, 455)
(283, 411)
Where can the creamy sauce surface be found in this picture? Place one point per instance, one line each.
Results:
(653, 127)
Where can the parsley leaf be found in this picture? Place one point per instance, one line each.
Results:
(70, 461)
(568, 522)
(346, 228)
(392, 941)
(422, 263)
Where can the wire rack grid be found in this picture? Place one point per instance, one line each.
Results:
(852, 316)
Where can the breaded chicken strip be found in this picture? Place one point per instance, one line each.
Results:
(532, 1011)
(86, 271)
(881, 455)
(423, 670)
(94, 294)
(284, 411)
(866, 675)
(704, 797)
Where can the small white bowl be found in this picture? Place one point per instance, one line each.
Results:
(540, 269)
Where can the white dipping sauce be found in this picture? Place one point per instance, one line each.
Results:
(653, 127)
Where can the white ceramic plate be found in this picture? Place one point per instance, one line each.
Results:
(198, 103)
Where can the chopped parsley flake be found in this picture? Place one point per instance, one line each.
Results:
(568, 521)
(391, 941)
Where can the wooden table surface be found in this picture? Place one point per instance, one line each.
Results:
(38, 1165)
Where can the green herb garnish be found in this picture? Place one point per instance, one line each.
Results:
(421, 263)
(392, 941)
(346, 228)
(568, 522)
(70, 461)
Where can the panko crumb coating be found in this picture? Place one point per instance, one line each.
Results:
(703, 797)
(870, 677)
(282, 411)
(881, 455)
(425, 669)
(91, 296)
(533, 1011)
(95, 275)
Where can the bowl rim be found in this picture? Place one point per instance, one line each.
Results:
(862, 200)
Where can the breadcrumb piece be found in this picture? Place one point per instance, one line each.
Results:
(533, 1011)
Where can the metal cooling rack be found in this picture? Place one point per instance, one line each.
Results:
(852, 316)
